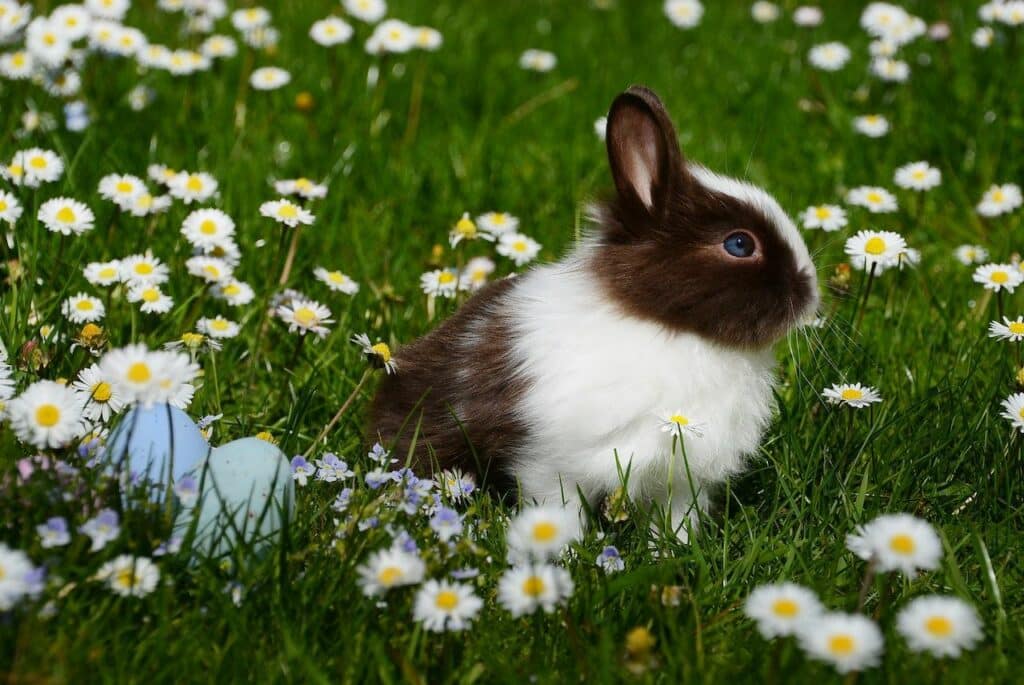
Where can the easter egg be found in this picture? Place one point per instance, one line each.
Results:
(157, 443)
(246, 493)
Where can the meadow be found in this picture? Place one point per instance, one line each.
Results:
(406, 141)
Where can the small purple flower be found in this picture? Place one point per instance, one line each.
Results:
(331, 469)
(340, 503)
(465, 573)
(447, 523)
(380, 455)
(368, 523)
(208, 420)
(609, 560)
(54, 533)
(102, 528)
(377, 478)
(172, 546)
(187, 490)
(301, 470)
(405, 542)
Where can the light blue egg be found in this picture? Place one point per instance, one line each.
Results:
(157, 443)
(246, 494)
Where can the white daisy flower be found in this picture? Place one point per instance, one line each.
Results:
(72, 21)
(497, 223)
(16, 572)
(983, 37)
(46, 415)
(441, 606)
(942, 626)
(541, 532)
(250, 18)
(303, 187)
(475, 274)
(871, 125)
(10, 208)
(143, 269)
(440, 282)
(108, 9)
(808, 16)
(1013, 410)
(780, 609)
(121, 189)
(286, 212)
(235, 293)
(538, 60)
(97, 397)
(523, 590)
(764, 12)
(305, 316)
(66, 216)
(219, 47)
(103, 273)
(970, 254)
(370, 11)
(46, 43)
(876, 200)
(82, 308)
(379, 354)
(427, 38)
(829, 56)
(998, 277)
(210, 269)
(897, 542)
(387, 569)
(152, 300)
(207, 228)
(139, 375)
(336, 281)
(520, 248)
(851, 395)
(391, 36)
(826, 217)
(1007, 330)
(218, 327)
(878, 250)
(269, 78)
(1000, 199)
(33, 167)
(17, 65)
(192, 187)
(331, 31)
(918, 176)
(676, 421)
(892, 70)
(161, 173)
(849, 642)
(684, 14)
(130, 576)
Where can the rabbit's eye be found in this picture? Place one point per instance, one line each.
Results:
(740, 244)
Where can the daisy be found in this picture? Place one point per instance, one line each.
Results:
(538, 60)
(41, 166)
(871, 125)
(849, 642)
(17, 65)
(851, 395)
(370, 11)
(877, 250)
(305, 316)
(983, 37)
(970, 254)
(781, 609)
(943, 626)
(82, 308)
(888, 69)
(829, 56)
(46, 43)
(10, 208)
(808, 16)
(302, 187)
(194, 342)
(218, 327)
(765, 12)
(66, 216)
(456, 484)
(154, 300)
(130, 576)
(72, 21)
(387, 569)
(378, 354)
(1013, 410)
(46, 415)
(132, 372)
(441, 606)
(392, 35)
(1000, 199)
(475, 275)
(121, 188)
(217, 47)
(518, 247)
(998, 277)
(143, 269)
(826, 217)
(684, 14)
(96, 395)
(336, 281)
(269, 78)
(250, 18)
(465, 229)
(16, 571)
(210, 269)
(525, 589)
(161, 173)
(286, 212)
(1007, 330)
(876, 200)
(676, 422)
(235, 293)
(541, 532)
(53, 533)
(918, 176)
(330, 31)
(496, 223)
(897, 542)
(427, 38)
(440, 282)
(192, 187)
(207, 228)
(108, 9)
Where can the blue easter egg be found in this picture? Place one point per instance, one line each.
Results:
(157, 443)
(246, 493)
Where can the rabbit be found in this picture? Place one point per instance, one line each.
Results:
(561, 380)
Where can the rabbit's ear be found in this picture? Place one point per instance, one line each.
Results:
(643, 151)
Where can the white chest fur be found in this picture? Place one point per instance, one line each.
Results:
(603, 382)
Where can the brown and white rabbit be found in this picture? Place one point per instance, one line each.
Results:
(560, 379)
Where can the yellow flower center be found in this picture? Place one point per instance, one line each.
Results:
(208, 227)
(108, 272)
(151, 295)
(19, 59)
(841, 645)
(874, 245)
(90, 332)
(66, 215)
(939, 626)
(902, 544)
(999, 277)
(305, 183)
(679, 420)
(336, 277)
(232, 289)
(125, 578)
(192, 340)
(786, 608)
(124, 187)
(305, 316)
(851, 394)
(389, 575)
(50, 39)
(918, 174)
(545, 531)
(465, 227)
(47, 415)
(15, 170)
(211, 271)
(822, 212)
(220, 324)
(446, 277)
(194, 183)
(998, 196)
(84, 305)
(139, 372)
(101, 392)
(143, 268)
(874, 198)
(37, 162)
(446, 600)
(287, 211)
(144, 201)
(265, 436)
(3, 205)
(1016, 327)
(533, 586)
(519, 246)
(383, 351)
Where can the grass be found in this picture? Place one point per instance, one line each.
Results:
(465, 129)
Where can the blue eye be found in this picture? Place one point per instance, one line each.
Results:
(740, 244)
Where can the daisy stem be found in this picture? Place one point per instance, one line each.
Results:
(999, 303)
(865, 585)
(867, 294)
(290, 258)
(341, 411)
(298, 350)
